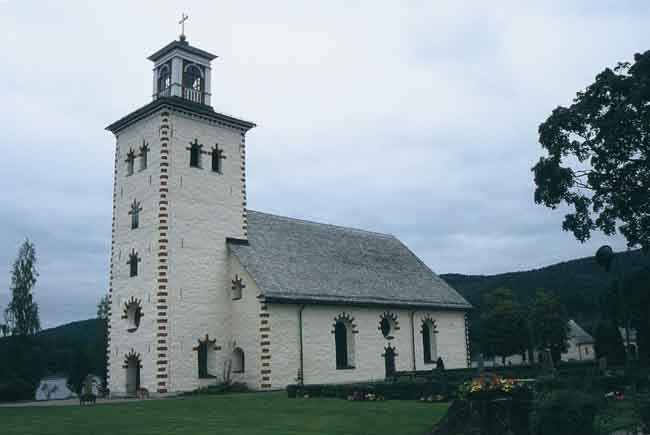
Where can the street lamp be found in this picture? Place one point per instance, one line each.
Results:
(606, 258)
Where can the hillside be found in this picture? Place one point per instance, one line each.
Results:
(52, 351)
(580, 284)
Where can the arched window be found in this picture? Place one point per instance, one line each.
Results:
(217, 156)
(193, 83)
(133, 263)
(195, 154)
(144, 150)
(344, 331)
(164, 81)
(238, 360)
(132, 314)
(135, 214)
(193, 78)
(130, 160)
(341, 338)
(429, 342)
(388, 325)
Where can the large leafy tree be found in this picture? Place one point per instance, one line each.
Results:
(608, 342)
(22, 312)
(549, 324)
(598, 156)
(503, 324)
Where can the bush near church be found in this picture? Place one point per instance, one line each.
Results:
(409, 390)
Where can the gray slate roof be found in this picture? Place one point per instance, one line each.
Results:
(297, 261)
(579, 335)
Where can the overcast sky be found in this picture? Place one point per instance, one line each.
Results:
(412, 118)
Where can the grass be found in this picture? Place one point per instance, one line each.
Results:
(618, 416)
(249, 414)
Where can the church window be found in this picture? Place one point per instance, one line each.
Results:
(344, 331)
(132, 314)
(130, 160)
(195, 154)
(238, 360)
(135, 214)
(237, 287)
(217, 156)
(205, 357)
(164, 81)
(144, 150)
(429, 340)
(388, 325)
(133, 263)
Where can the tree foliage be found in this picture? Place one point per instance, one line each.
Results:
(103, 308)
(22, 312)
(598, 156)
(502, 322)
(549, 324)
(608, 342)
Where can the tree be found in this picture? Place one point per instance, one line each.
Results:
(549, 324)
(502, 321)
(79, 368)
(22, 312)
(103, 313)
(608, 342)
(103, 308)
(598, 160)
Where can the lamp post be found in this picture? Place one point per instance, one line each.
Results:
(607, 259)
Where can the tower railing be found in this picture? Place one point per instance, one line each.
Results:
(192, 95)
(167, 92)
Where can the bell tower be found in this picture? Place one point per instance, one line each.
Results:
(179, 193)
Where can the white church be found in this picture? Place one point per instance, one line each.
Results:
(202, 287)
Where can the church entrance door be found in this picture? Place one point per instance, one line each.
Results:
(132, 376)
(389, 361)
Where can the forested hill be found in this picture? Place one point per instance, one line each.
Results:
(74, 347)
(580, 284)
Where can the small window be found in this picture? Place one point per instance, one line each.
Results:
(144, 151)
(195, 154)
(237, 287)
(130, 160)
(217, 156)
(135, 214)
(238, 360)
(133, 264)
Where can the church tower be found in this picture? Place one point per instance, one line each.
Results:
(179, 195)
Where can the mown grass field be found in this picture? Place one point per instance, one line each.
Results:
(245, 414)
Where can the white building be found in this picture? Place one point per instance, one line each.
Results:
(199, 283)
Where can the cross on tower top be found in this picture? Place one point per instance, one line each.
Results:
(184, 18)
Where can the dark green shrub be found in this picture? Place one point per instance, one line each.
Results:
(566, 412)
(16, 389)
(291, 391)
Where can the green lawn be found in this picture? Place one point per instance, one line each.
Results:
(245, 414)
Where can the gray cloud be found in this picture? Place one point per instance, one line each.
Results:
(417, 119)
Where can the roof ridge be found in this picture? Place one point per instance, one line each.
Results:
(307, 221)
